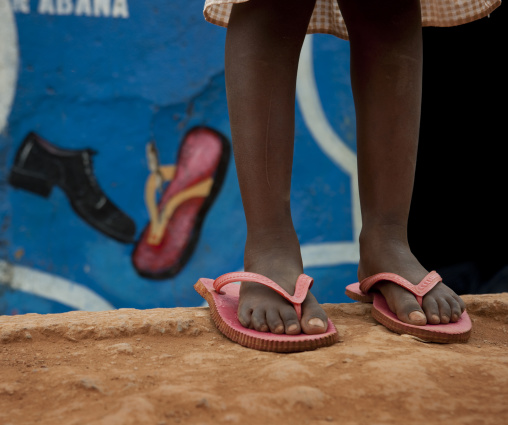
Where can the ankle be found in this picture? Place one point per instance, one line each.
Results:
(385, 248)
(380, 235)
(272, 246)
(273, 233)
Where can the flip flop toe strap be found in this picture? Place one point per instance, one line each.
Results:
(303, 284)
(419, 291)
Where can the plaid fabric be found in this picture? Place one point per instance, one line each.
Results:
(327, 18)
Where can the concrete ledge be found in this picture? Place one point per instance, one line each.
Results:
(79, 325)
(166, 366)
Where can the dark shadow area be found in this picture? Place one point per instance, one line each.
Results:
(459, 223)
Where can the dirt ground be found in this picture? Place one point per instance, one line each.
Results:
(171, 366)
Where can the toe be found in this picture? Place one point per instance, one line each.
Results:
(456, 299)
(445, 311)
(456, 309)
(274, 321)
(290, 319)
(403, 304)
(431, 308)
(244, 316)
(462, 304)
(314, 319)
(409, 311)
(258, 320)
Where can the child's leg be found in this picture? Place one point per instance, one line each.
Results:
(386, 68)
(263, 45)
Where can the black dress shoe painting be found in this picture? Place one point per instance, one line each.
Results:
(39, 165)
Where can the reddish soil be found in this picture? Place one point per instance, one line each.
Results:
(171, 366)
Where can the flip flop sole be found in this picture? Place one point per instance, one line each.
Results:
(353, 291)
(223, 308)
(443, 333)
(459, 331)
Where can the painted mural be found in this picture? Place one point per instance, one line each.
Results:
(117, 183)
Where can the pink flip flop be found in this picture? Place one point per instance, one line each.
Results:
(444, 333)
(223, 304)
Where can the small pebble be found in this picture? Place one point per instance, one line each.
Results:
(90, 384)
(203, 403)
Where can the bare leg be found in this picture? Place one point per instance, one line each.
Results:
(263, 45)
(386, 68)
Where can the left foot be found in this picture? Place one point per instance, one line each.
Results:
(380, 254)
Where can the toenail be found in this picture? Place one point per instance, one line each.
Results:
(292, 328)
(316, 322)
(416, 316)
(279, 329)
(435, 318)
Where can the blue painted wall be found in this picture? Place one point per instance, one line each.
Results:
(115, 83)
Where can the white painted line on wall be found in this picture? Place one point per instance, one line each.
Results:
(328, 254)
(8, 61)
(51, 287)
(323, 133)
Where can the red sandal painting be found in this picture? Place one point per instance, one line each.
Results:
(169, 239)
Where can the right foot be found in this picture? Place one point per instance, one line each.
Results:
(278, 258)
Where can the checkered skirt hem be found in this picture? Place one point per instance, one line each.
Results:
(327, 18)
